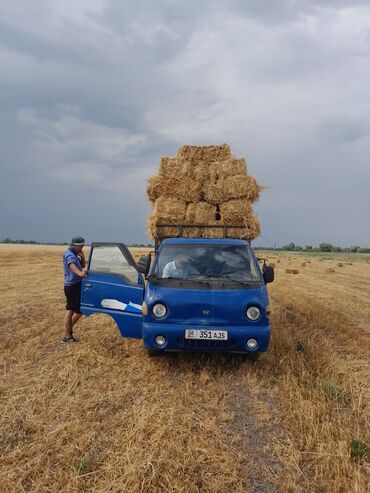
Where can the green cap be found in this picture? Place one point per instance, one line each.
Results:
(77, 240)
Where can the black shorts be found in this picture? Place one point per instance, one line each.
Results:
(73, 295)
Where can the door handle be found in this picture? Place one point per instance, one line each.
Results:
(88, 286)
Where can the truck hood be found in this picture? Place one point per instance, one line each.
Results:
(206, 307)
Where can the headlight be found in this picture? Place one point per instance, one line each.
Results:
(159, 310)
(253, 313)
(160, 340)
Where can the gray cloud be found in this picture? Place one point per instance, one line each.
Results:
(93, 93)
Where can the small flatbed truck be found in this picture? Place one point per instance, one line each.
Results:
(198, 294)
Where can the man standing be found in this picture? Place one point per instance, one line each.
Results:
(73, 263)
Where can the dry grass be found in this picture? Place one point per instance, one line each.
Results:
(102, 417)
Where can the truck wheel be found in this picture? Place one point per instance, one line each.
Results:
(253, 356)
(152, 353)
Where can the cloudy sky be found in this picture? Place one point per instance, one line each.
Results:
(93, 92)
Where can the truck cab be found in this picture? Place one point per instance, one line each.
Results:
(200, 294)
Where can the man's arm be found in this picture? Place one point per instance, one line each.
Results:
(168, 270)
(82, 259)
(77, 271)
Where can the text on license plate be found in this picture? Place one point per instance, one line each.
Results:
(206, 334)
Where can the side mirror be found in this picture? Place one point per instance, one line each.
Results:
(144, 264)
(268, 273)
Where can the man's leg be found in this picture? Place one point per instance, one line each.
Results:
(68, 324)
(75, 318)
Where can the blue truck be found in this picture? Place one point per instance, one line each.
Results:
(198, 294)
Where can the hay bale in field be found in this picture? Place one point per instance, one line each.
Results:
(232, 187)
(182, 187)
(288, 271)
(303, 264)
(278, 261)
(330, 270)
(295, 271)
(204, 153)
(340, 264)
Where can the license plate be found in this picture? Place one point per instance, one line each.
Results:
(218, 335)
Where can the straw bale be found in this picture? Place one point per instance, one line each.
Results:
(163, 165)
(197, 170)
(252, 231)
(233, 187)
(303, 264)
(295, 271)
(288, 271)
(169, 210)
(229, 167)
(330, 270)
(204, 153)
(170, 167)
(236, 211)
(340, 264)
(182, 187)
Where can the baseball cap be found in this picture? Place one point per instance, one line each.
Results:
(78, 240)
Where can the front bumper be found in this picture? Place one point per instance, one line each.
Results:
(237, 338)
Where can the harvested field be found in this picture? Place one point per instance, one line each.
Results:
(100, 416)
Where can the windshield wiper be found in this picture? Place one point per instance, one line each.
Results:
(182, 279)
(229, 278)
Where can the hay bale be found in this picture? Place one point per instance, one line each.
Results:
(236, 212)
(288, 271)
(340, 264)
(170, 167)
(201, 213)
(182, 187)
(169, 210)
(204, 153)
(232, 187)
(295, 271)
(303, 264)
(164, 165)
(196, 170)
(330, 270)
(229, 167)
(278, 261)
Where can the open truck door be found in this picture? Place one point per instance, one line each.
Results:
(114, 286)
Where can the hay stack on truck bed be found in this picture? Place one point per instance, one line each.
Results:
(205, 290)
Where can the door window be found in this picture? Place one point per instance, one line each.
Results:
(110, 260)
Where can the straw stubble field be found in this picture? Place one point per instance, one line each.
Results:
(100, 416)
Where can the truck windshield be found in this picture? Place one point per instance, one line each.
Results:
(224, 262)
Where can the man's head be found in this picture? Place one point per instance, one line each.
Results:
(77, 243)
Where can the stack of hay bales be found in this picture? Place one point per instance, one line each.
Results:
(203, 185)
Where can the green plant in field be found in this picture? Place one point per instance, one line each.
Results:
(358, 449)
(330, 389)
(300, 346)
(83, 465)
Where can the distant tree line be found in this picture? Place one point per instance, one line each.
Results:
(33, 242)
(323, 247)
